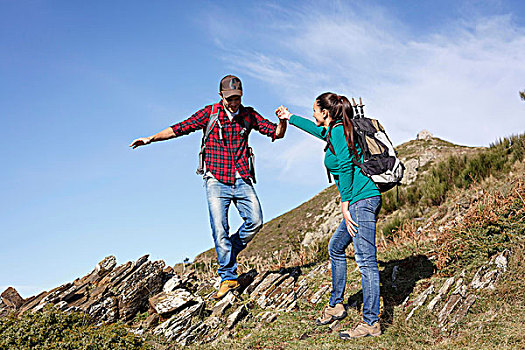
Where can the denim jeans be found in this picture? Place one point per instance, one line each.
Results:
(364, 213)
(245, 199)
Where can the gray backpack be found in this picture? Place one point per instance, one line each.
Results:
(380, 162)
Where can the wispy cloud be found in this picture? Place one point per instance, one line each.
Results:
(460, 82)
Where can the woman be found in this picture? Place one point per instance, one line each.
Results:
(360, 204)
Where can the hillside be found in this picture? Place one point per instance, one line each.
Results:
(317, 218)
(450, 257)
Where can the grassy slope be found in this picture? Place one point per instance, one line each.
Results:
(288, 230)
(494, 321)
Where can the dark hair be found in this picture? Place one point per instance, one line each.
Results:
(340, 110)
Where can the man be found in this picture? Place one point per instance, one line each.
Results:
(229, 174)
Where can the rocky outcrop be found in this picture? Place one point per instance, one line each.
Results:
(177, 307)
(109, 293)
(452, 304)
(11, 298)
(424, 135)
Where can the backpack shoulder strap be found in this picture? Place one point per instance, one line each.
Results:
(214, 119)
(328, 143)
(330, 147)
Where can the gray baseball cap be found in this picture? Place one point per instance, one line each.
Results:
(230, 85)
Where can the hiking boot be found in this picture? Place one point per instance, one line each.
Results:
(225, 287)
(362, 330)
(330, 314)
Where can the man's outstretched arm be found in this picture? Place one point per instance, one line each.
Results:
(165, 134)
(195, 122)
(281, 128)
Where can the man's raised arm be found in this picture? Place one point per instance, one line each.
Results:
(281, 129)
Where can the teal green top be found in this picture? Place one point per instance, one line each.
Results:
(351, 183)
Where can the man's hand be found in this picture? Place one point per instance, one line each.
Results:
(283, 113)
(141, 142)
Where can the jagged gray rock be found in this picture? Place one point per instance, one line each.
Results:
(166, 303)
(222, 305)
(442, 291)
(136, 289)
(175, 282)
(198, 330)
(236, 316)
(266, 283)
(319, 294)
(424, 135)
(462, 310)
(174, 327)
(267, 317)
(106, 265)
(452, 302)
(420, 300)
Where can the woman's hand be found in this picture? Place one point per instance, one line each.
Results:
(351, 225)
(283, 113)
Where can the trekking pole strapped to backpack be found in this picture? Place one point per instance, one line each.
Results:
(380, 161)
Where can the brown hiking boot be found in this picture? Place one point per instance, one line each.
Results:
(362, 330)
(330, 314)
(225, 287)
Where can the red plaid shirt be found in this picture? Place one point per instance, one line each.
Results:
(222, 158)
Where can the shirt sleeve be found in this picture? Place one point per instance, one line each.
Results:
(308, 126)
(344, 158)
(196, 122)
(264, 126)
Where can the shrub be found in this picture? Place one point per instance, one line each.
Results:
(53, 329)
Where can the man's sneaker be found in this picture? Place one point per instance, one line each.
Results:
(225, 287)
(362, 330)
(330, 314)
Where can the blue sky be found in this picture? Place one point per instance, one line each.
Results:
(81, 80)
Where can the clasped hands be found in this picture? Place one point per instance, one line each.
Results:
(283, 113)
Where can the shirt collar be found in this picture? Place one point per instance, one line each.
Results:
(230, 114)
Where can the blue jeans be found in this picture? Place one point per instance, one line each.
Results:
(364, 212)
(228, 246)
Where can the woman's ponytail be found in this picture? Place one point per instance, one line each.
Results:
(340, 109)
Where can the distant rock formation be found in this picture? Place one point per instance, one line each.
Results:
(424, 135)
